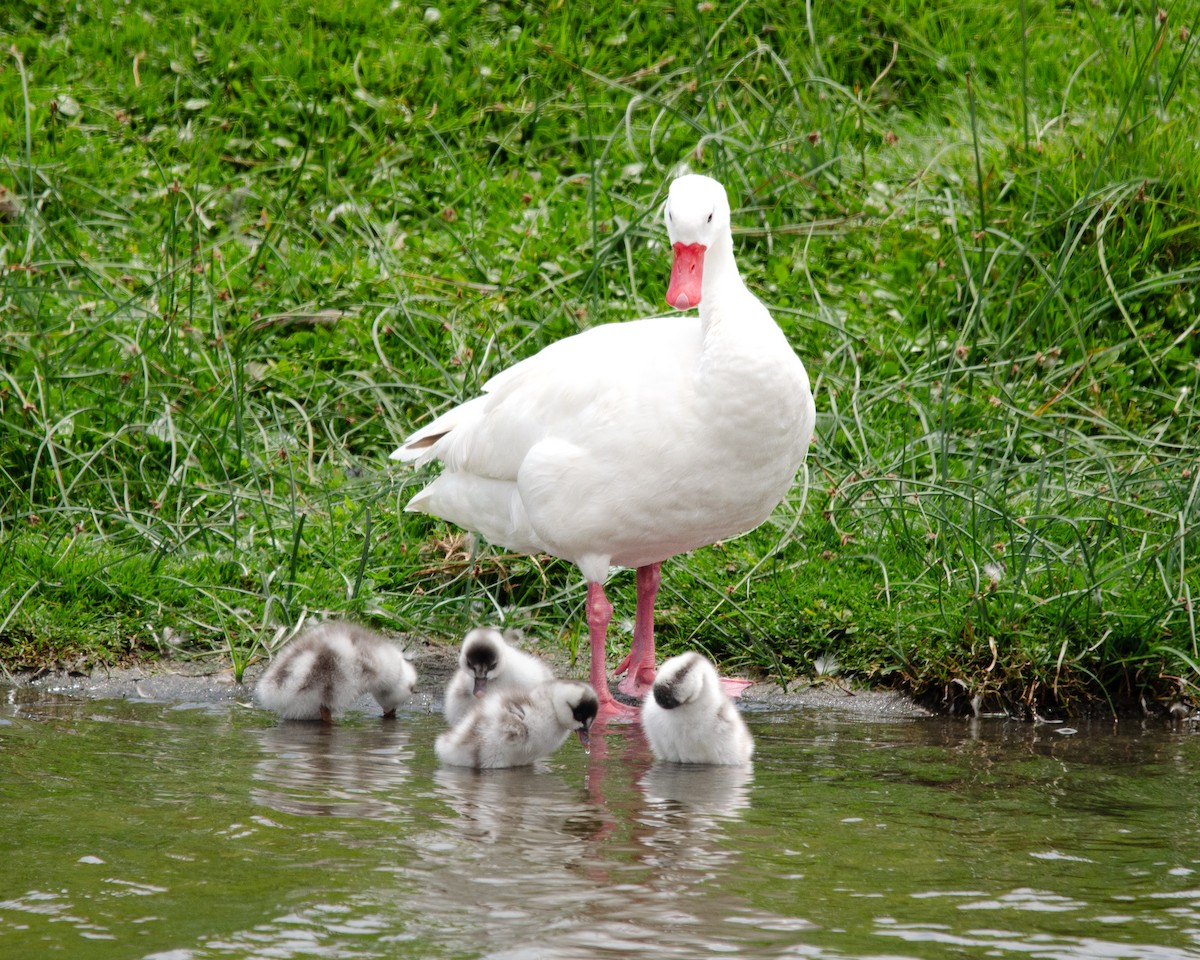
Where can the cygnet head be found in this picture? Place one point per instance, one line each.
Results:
(575, 706)
(382, 668)
(683, 679)
(392, 680)
(697, 217)
(480, 656)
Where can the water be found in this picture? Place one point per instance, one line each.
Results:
(142, 830)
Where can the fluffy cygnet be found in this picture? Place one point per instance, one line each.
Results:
(487, 664)
(690, 719)
(326, 668)
(515, 729)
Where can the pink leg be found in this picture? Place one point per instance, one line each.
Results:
(599, 613)
(640, 662)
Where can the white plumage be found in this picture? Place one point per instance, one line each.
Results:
(325, 669)
(631, 442)
(515, 729)
(690, 719)
(488, 665)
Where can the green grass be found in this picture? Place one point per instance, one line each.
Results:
(248, 256)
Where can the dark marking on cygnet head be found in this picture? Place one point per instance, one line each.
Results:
(482, 657)
(664, 696)
(666, 689)
(585, 711)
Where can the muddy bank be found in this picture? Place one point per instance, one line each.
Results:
(212, 682)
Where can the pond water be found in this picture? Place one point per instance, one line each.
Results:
(174, 832)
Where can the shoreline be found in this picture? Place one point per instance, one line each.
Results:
(212, 682)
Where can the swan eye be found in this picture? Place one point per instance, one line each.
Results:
(710, 218)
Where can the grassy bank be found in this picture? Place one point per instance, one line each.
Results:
(241, 259)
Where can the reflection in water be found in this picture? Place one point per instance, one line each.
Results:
(140, 830)
(687, 812)
(524, 808)
(555, 868)
(697, 791)
(333, 770)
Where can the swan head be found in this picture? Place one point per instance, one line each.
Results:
(683, 680)
(697, 217)
(482, 651)
(575, 706)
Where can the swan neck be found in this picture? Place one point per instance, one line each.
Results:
(721, 276)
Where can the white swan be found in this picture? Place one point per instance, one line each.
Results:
(690, 719)
(326, 668)
(631, 442)
(487, 664)
(515, 729)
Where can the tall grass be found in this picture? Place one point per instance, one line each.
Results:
(248, 257)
